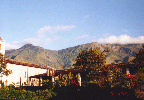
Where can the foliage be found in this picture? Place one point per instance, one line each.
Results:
(7, 93)
(139, 59)
(139, 93)
(74, 82)
(92, 91)
(3, 66)
(48, 84)
(136, 82)
(65, 57)
(68, 80)
(90, 61)
(109, 75)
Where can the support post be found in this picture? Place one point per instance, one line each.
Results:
(49, 72)
(20, 81)
(127, 71)
(52, 71)
(39, 81)
(79, 79)
(29, 81)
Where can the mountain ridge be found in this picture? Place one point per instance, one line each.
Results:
(64, 58)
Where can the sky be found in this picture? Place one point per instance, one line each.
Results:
(59, 24)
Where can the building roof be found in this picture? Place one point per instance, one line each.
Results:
(58, 72)
(0, 39)
(26, 64)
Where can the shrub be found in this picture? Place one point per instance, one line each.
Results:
(7, 93)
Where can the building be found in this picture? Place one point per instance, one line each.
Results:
(2, 46)
(30, 74)
(20, 71)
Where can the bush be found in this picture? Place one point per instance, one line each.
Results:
(7, 93)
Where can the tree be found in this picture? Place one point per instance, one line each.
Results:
(91, 62)
(3, 66)
(139, 59)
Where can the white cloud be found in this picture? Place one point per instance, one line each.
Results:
(122, 39)
(86, 16)
(34, 41)
(82, 36)
(53, 29)
(41, 39)
(18, 44)
(43, 30)
(9, 46)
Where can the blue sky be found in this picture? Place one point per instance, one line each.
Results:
(59, 24)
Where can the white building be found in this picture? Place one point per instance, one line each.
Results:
(19, 70)
(2, 46)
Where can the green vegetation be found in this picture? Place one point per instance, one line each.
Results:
(3, 66)
(91, 61)
(104, 81)
(12, 93)
(65, 57)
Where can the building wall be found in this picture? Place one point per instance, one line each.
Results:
(20, 71)
(2, 47)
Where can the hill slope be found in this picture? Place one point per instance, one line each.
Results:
(65, 58)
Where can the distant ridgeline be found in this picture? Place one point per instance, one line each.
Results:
(65, 58)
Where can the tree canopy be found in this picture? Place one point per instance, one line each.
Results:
(90, 61)
(139, 59)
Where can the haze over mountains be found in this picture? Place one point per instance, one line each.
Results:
(65, 58)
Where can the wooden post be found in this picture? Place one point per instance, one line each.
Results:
(20, 81)
(60, 77)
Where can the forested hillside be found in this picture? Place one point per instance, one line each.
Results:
(65, 58)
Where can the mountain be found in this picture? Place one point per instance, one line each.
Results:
(65, 58)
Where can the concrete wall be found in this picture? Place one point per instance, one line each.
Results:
(2, 48)
(20, 71)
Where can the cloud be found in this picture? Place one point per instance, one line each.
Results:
(41, 39)
(86, 16)
(18, 44)
(9, 46)
(82, 36)
(34, 41)
(53, 29)
(122, 39)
